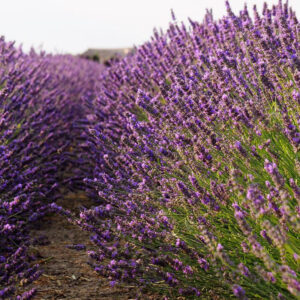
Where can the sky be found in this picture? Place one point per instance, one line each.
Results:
(72, 26)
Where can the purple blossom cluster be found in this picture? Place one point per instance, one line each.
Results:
(43, 110)
(196, 150)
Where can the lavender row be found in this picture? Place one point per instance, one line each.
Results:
(43, 109)
(196, 146)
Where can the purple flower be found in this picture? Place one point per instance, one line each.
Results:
(239, 292)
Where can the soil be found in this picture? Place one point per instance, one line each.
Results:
(66, 274)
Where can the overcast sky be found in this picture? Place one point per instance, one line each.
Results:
(72, 26)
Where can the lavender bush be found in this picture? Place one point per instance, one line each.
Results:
(42, 110)
(196, 147)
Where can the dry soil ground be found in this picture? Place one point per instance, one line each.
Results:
(66, 272)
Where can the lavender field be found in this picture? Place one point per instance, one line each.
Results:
(186, 151)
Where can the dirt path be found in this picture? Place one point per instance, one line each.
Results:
(66, 272)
